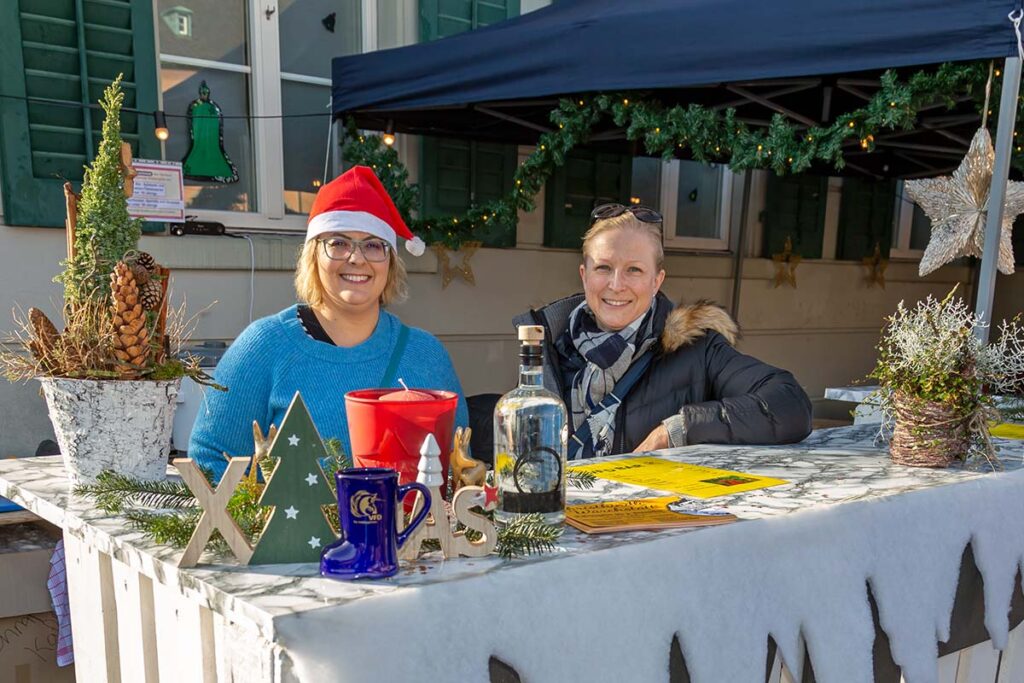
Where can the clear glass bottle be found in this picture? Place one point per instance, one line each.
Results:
(529, 440)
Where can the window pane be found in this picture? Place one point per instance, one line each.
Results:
(305, 143)
(699, 200)
(920, 229)
(204, 29)
(646, 185)
(307, 43)
(230, 92)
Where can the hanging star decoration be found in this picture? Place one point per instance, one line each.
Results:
(785, 265)
(448, 271)
(957, 206)
(876, 264)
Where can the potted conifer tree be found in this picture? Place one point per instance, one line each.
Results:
(109, 378)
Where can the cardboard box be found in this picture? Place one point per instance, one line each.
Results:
(25, 551)
(28, 650)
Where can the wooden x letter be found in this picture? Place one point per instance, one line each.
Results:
(215, 514)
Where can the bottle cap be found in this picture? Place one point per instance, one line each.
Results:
(531, 334)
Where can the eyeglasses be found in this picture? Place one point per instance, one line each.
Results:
(341, 248)
(642, 213)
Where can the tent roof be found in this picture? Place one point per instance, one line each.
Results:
(809, 58)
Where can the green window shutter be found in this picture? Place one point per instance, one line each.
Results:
(795, 208)
(68, 51)
(458, 174)
(865, 217)
(442, 18)
(587, 179)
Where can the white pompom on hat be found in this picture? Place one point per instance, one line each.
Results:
(357, 201)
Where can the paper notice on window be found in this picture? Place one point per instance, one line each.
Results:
(159, 191)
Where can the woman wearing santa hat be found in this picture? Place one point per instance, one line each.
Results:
(338, 339)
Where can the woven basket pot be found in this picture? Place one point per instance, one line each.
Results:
(119, 425)
(927, 433)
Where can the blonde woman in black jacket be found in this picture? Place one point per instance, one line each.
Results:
(639, 374)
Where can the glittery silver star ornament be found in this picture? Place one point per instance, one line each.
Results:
(957, 207)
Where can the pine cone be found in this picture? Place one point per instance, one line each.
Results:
(131, 338)
(44, 334)
(150, 295)
(141, 274)
(146, 261)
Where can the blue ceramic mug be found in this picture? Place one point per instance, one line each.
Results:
(369, 502)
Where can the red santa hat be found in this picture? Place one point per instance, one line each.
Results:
(357, 201)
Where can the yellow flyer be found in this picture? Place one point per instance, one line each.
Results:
(678, 477)
(643, 514)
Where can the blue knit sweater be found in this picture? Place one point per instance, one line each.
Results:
(274, 357)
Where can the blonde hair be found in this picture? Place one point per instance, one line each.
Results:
(627, 221)
(310, 290)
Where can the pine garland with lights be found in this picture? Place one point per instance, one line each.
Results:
(708, 135)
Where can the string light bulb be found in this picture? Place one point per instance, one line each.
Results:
(317, 182)
(160, 125)
(389, 134)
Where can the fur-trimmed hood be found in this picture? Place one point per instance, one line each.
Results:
(686, 324)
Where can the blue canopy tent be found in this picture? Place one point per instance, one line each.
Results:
(802, 59)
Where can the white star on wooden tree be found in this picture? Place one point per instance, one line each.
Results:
(293, 440)
(958, 205)
(314, 542)
(290, 512)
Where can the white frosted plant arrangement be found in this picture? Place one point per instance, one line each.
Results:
(111, 376)
(938, 381)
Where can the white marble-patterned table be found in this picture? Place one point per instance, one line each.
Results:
(796, 568)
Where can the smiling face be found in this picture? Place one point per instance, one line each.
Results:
(620, 276)
(353, 283)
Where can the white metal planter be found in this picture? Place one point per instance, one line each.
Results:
(119, 425)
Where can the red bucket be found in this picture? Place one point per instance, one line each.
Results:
(391, 433)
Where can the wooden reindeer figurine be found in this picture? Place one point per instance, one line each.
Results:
(466, 471)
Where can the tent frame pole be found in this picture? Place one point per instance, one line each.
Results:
(997, 195)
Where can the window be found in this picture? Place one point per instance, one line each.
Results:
(795, 209)
(45, 54)
(913, 227)
(258, 59)
(587, 179)
(693, 198)
(865, 218)
(696, 202)
(457, 174)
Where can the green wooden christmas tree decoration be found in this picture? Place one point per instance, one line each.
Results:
(297, 530)
(206, 158)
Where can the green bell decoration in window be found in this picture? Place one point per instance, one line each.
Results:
(206, 159)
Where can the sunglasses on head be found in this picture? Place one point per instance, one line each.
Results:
(642, 213)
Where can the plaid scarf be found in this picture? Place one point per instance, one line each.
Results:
(603, 359)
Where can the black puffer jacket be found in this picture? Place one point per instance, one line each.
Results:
(722, 395)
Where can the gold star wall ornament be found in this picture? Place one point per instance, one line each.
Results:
(448, 271)
(876, 265)
(785, 265)
(957, 206)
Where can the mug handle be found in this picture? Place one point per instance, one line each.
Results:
(404, 489)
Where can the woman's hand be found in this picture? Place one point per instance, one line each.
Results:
(656, 440)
